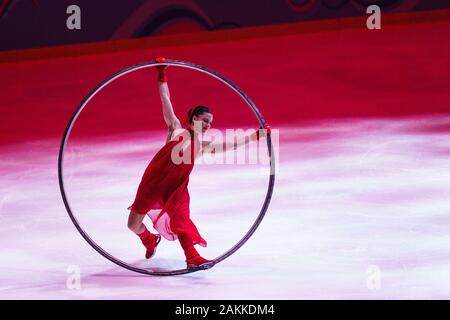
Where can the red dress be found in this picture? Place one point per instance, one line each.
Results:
(164, 187)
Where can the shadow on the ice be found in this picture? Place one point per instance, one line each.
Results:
(154, 265)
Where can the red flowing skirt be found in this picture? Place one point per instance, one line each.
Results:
(164, 187)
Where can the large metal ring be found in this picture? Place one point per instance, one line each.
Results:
(97, 90)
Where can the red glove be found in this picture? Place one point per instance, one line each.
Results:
(268, 131)
(161, 70)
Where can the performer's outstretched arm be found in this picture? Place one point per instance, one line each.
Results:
(226, 146)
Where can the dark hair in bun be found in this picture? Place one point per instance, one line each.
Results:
(198, 110)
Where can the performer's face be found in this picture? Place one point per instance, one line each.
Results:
(204, 119)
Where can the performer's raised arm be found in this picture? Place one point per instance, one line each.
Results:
(169, 115)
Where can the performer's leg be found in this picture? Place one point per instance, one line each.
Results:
(135, 222)
(149, 240)
(193, 258)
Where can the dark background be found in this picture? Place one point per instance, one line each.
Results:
(40, 23)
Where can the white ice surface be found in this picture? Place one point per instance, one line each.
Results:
(361, 210)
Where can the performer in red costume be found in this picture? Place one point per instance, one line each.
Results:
(164, 184)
